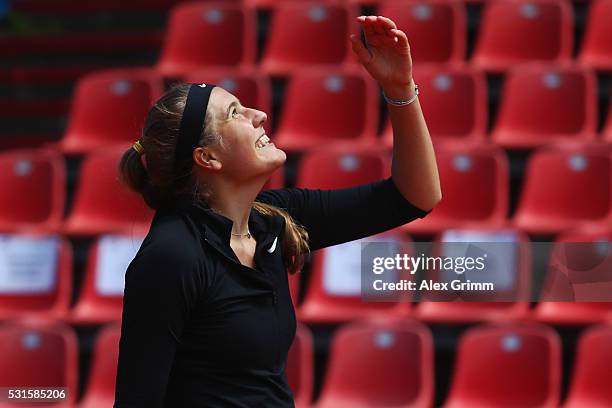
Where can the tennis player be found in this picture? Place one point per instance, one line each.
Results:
(207, 314)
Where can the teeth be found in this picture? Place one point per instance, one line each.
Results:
(262, 141)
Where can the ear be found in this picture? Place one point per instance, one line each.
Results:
(206, 159)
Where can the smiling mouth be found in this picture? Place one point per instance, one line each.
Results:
(263, 141)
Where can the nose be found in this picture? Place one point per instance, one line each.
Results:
(259, 118)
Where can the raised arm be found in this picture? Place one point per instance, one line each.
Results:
(335, 216)
(161, 289)
(387, 59)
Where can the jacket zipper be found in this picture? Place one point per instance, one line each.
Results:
(274, 301)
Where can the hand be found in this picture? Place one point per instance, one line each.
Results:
(387, 56)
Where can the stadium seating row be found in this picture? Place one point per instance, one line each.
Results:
(540, 104)
(371, 364)
(576, 288)
(475, 181)
(511, 32)
(438, 35)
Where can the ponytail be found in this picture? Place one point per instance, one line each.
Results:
(133, 173)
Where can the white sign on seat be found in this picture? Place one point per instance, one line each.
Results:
(342, 266)
(501, 260)
(115, 252)
(28, 265)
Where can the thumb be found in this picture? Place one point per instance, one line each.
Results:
(360, 50)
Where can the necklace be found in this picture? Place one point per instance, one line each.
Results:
(248, 234)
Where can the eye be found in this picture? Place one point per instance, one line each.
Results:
(234, 113)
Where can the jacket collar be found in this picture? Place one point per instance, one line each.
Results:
(216, 228)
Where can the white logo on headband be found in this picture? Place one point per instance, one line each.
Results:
(202, 86)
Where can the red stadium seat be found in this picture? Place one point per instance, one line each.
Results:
(41, 287)
(300, 367)
(577, 288)
(596, 48)
(380, 364)
(334, 293)
(507, 366)
(509, 270)
(304, 34)
(560, 105)
(100, 391)
(475, 182)
(327, 106)
(101, 297)
(32, 190)
(518, 31)
(294, 288)
(37, 353)
(102, 204)
(327, 168)
(436, 29)
(109, 108)
(252, 88)
(201, 35)
(590, 386)
(454, 102)
(565, 185)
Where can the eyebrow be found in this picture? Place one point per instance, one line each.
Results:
(229, 108)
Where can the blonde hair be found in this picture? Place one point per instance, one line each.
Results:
(157, 181)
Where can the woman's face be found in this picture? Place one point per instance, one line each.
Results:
(245, 152)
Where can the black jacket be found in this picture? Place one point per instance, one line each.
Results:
(200, 329)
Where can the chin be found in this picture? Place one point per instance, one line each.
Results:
(283, 156)
(279, 160)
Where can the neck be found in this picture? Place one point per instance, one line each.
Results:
(235, 201)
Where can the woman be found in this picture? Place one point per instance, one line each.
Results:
(207, 315)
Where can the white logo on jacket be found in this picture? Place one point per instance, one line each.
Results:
(273, 246)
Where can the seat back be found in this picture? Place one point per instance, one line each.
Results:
(37, 353)
(32, 190)
(578, 191)
(436, 29)
(507, 365)
(225, 33)
(100, 390)
(561, 105)
(109, 108)
(523, 30)
(380, 364)
(327, 25)
(327, 106)
(454, 101)
(40, 287)
(475, 181)
(102, 204)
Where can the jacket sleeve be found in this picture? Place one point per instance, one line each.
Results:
(335, 216)
(161, 289)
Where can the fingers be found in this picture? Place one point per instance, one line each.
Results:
(387, 23)
(360, 50)
(402, 40)
(383, 26)
(366, 25)
(376, 25)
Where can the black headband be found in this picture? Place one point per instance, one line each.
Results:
(192, 121)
